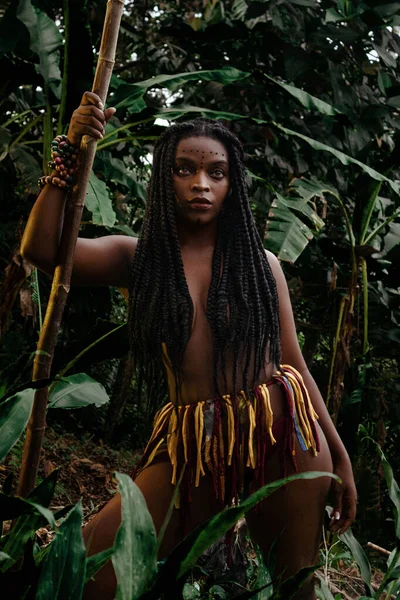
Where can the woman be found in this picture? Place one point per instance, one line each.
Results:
(210, 320)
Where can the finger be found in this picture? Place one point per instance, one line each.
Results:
(91, 110)
(90, 120)
(91, 98)
(87, 130)
(336, 514)
(109, 112)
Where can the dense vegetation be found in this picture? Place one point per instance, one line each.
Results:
(313, 90)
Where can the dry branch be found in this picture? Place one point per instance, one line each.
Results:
(62, 274)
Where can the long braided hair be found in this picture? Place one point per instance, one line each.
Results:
(242, 306)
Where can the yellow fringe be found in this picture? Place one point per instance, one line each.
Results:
(199, 427)
(172, 444)
(251, 461)
(185, 436)
(152, 455)
(301, 412)
(231, 428)
(221, 460)
(309, 403)
(268, 411)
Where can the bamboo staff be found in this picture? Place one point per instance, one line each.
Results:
(62, 274)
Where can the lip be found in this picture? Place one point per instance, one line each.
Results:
(200, 203)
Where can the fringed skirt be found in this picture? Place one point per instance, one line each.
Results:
(231, 438)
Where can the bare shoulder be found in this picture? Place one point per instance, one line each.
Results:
(104, 261)
(275, 268)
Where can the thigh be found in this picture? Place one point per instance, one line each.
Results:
(294, 514)
(155, 484)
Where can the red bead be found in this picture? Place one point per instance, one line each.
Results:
(58, 160)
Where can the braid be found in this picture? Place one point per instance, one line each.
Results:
(242, 306)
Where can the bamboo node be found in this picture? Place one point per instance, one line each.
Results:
(107, 60)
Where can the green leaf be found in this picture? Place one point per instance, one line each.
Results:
(27, 167)
(14, 417)
(45, 40)
(76, 391)
(287, 233)
(394, 101)
(95, 562)
(135, 547)
(307, 100)
(130, 96)
(14, 542)
(324, 592)
(4, 556)
(12, 507)
(189, 592)
(332, 16)
(99, 203)
(64, 566)
(359, 556)
(357, 553)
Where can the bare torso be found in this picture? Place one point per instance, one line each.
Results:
(197, 363)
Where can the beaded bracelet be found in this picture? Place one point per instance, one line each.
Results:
(64, 157)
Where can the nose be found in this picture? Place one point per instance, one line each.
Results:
(200, 182)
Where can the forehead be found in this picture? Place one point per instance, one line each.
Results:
(201, 147)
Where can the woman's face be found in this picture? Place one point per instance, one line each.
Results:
(200, 179)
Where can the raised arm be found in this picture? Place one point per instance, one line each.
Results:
(102, 261)
(345, 495)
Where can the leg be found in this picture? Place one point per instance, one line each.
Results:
(297, 510)
(155, 484)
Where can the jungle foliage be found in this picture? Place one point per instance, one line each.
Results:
(313, 90)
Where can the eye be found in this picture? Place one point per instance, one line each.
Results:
(182, 170)
(218, 173)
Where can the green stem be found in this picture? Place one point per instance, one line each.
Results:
(365, 303)
(335, 345)
(381, 226)
(370, 210)
(130, 138)
(349, 229)
(127, 126)
(79, 356)
(16, 117)
(26, 129)
(63, 101)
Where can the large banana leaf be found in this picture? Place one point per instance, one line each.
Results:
(45, 40)
(287, 232)
(130, 95)
(176, 113)
(76, 391)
